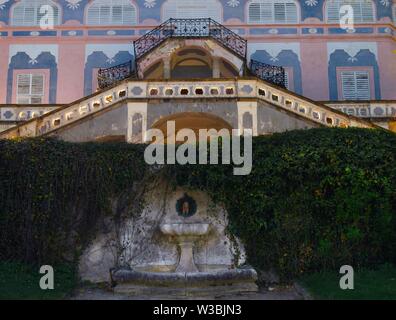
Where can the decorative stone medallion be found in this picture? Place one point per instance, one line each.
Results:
(186, 206)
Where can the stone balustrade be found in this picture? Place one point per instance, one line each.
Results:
(366, 109)
(241, 88)
(20, 113)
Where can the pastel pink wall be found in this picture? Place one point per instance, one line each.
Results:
(387, 67)
(3, 70)
(70, 71)
(314, 66)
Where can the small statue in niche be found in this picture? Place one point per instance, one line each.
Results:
(186, 206)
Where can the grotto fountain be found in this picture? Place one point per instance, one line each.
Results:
(178, 245)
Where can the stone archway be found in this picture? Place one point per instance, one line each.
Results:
(191, 120)
(190, 58)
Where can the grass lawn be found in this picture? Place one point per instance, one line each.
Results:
(19, 281)
(377, 284)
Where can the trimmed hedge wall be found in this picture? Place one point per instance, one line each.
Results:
(53, 194)
(316, 199)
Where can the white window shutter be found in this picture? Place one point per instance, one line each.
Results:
(279, 13)
(23, 83)
(27, 12)
(192, 9)
(363, 10)
(355, 85)
(254, 13)
(367, 12)
(362, 86)
(267, 12)
(291, 13)
(30, 88)
(111, 12)
(93, 17)
(38, 84)
(273, 12)
(333, 12)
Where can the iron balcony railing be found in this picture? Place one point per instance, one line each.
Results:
(272, 74)
(190, 28)
(108, 77)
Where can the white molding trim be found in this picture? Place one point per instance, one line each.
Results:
(33, 50)
(352, 48)
(110, 50)
(273, 49)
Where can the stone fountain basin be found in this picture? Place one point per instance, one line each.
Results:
(221, 282)
(184, 229)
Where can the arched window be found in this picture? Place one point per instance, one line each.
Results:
(190, 9)
(111, 12)
(363, 10)
(273, 11)
(32, 12)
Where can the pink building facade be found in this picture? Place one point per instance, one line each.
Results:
(323, 61)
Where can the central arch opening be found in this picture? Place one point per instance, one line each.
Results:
(193, 68)
(190, 62)
(191, 120)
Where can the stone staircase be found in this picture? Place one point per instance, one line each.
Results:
(139, 90)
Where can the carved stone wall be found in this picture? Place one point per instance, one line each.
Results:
(138, 243)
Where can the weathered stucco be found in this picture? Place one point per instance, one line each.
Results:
(271, 119)
(114, 122)
(138, 244)
(110, 123)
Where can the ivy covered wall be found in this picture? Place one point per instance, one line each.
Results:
(316, 199)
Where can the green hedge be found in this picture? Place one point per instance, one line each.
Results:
(53, 194)
(316, 199)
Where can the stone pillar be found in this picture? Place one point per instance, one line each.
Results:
(167, 68)
(249, 107)
(216, 67)
(186, 263)
(140, 109)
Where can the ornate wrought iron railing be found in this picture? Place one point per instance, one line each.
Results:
(108, 77)
(190, 28)
(273, 74)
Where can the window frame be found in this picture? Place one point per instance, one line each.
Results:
(37, 22)
(91, 4)
(273, 22)
(369, 70)
(46, 84)
(326, 15)
(221, 14)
